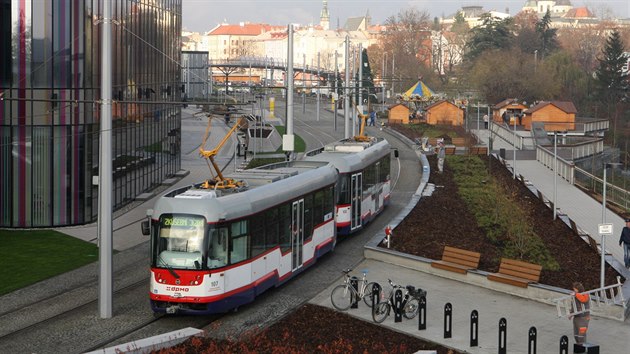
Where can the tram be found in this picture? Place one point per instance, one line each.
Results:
(215, 249)
(364, 182)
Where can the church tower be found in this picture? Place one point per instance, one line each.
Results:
(324, 18)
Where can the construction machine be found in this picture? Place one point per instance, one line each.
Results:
(218, 181)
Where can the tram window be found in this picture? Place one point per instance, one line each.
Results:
(308, 216)
(344, 189)
(329, 201)
(217, 253)
(257, 232)
(318, 207)
(284, 225)
(384, 167)
(369, 176)
(239, 241)
(271, 228)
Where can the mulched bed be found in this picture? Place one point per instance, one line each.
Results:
(314, 329)
(443, 219)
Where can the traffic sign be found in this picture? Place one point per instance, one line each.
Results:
(605, 229)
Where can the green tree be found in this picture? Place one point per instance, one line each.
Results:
(546, 35)
(612, 81)
(493, 33)
(367, 82)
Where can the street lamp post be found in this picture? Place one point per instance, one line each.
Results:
(555, 172)
(514, 151)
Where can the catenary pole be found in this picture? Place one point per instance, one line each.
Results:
(346, 91)
(105, 169)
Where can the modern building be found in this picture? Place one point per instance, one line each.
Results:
(50, 78)
(195, 75)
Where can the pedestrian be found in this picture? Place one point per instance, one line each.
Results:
(485, 121)
(625, 240)
(582, 310)
(373, 118)
(520, 118)
(505, 118)
(441, 154)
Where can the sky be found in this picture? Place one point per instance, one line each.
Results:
(203, 15)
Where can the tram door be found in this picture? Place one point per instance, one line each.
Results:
(356, 192)
(297, 233)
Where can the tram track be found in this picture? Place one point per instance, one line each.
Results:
(77, 308)
(79, 295)
(133, 318)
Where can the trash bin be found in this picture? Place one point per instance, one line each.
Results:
(502, 153)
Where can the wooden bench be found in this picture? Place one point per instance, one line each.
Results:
(478, 150)
(457, 260)
(458, 141)
(449, 150)
(517, 273)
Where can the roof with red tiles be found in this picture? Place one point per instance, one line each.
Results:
(243, 29)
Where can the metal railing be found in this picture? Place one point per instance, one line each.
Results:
(566, 169)
(594, 183)
(506, 134)
(600, 298)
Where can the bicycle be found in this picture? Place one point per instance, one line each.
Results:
(411, 302)
(343, 295)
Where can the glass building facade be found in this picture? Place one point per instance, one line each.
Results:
(50, 80)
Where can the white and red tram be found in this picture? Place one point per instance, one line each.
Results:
(364, 185)
(213, 250)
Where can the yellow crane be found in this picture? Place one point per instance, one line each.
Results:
(219, 181)
(361, 136)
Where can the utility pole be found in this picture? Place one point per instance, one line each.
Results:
(288, 138)
(319, 90)
(105, 169)
(346, 91)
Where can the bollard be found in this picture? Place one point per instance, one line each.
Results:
(474, 328)
(354, 281)
(376, 294)
(531, 341)
(564, 345)
(398, 305)
(422, 313)
(448, 320)
(502, 336)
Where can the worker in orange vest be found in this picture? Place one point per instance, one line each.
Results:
(582, 309)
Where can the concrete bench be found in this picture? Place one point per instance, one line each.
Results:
(517, 273)
(457, 260)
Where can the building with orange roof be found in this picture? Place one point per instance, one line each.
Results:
(444, 113)
(555, 115)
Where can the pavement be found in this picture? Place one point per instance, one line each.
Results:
(520, 313)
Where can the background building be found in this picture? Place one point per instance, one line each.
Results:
(49, 117)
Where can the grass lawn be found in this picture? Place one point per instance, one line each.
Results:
(34, 255)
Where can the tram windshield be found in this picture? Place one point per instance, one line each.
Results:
(180, 241)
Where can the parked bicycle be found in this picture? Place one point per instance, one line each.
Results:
(343, 295)
(411, 302)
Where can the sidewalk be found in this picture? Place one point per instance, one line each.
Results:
(126, 230)
(521, 314)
